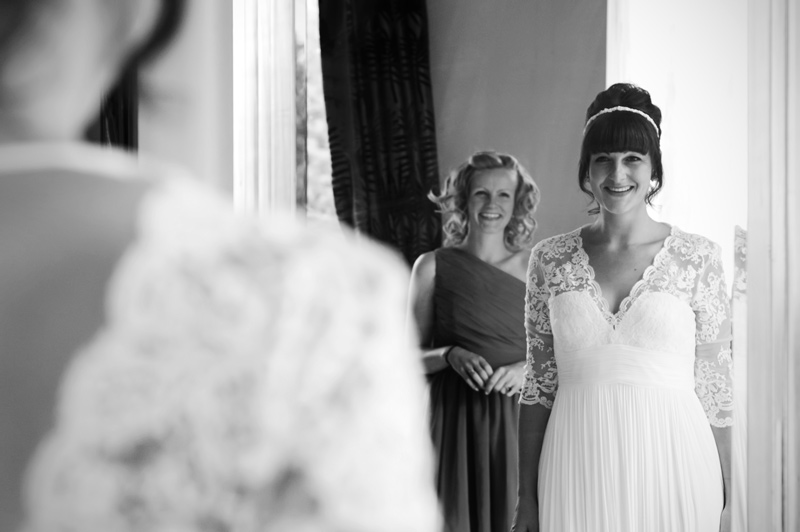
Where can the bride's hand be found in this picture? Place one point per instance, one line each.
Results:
(471, 367)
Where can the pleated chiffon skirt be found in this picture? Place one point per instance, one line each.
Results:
(628, 447)
(475, 437)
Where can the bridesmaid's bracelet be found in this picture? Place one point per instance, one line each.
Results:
(446, 353)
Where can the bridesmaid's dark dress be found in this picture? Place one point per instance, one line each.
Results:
(480, 308)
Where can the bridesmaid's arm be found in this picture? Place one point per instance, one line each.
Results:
(433, 360)
(538, 395)
(714, 364)
(471, 367)
(420, 316)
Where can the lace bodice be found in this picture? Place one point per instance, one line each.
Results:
(680, 305)
(239, 383)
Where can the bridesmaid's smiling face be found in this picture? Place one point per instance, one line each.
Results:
(491, 199)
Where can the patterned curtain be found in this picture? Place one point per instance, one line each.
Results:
(376, 78)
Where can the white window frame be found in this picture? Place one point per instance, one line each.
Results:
(264, 110)
(773, 266)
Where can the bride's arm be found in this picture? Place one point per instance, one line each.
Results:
(538, 394)
(713, 362)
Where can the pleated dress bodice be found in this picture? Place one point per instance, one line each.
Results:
(478, 307)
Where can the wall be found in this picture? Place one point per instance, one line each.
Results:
(692, 58)
(517, 76)
(190, 120)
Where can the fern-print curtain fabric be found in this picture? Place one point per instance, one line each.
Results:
(376, 78)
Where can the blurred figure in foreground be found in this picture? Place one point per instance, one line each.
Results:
(164, 364)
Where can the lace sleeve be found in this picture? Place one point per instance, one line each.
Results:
(541, 375)
(248, 378)
(713, 362)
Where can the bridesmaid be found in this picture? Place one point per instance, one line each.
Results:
(467, 300)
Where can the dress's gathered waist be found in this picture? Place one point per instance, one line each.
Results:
(624, 364)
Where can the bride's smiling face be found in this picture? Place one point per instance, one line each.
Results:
(620, 181)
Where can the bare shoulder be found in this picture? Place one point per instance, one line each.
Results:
(424, 267)
(519, 264)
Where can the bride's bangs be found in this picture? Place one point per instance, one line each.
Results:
(620, 132)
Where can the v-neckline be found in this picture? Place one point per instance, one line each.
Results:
(615, 317)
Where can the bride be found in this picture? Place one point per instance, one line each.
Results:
(626, 415)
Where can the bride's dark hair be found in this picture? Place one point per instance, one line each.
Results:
(620, 131)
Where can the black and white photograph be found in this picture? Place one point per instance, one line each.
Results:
(399, 266)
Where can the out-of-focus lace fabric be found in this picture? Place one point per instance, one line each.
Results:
(681, 303)
(740, 263)
(245, 379)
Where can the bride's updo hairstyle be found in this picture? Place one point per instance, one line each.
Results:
(622, 118)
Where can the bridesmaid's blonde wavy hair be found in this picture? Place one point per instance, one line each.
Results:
(453, 200)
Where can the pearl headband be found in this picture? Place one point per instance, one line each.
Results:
(622, 108)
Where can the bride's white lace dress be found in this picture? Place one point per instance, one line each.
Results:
(634, 394)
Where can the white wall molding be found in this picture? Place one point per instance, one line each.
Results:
(773, 265)
(772, 160)
(692, 58)
(190, 119)
(264, 130)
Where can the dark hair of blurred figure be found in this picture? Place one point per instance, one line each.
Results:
(57, 59)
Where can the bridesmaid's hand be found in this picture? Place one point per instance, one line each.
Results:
(473, 368)
(506, 379)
